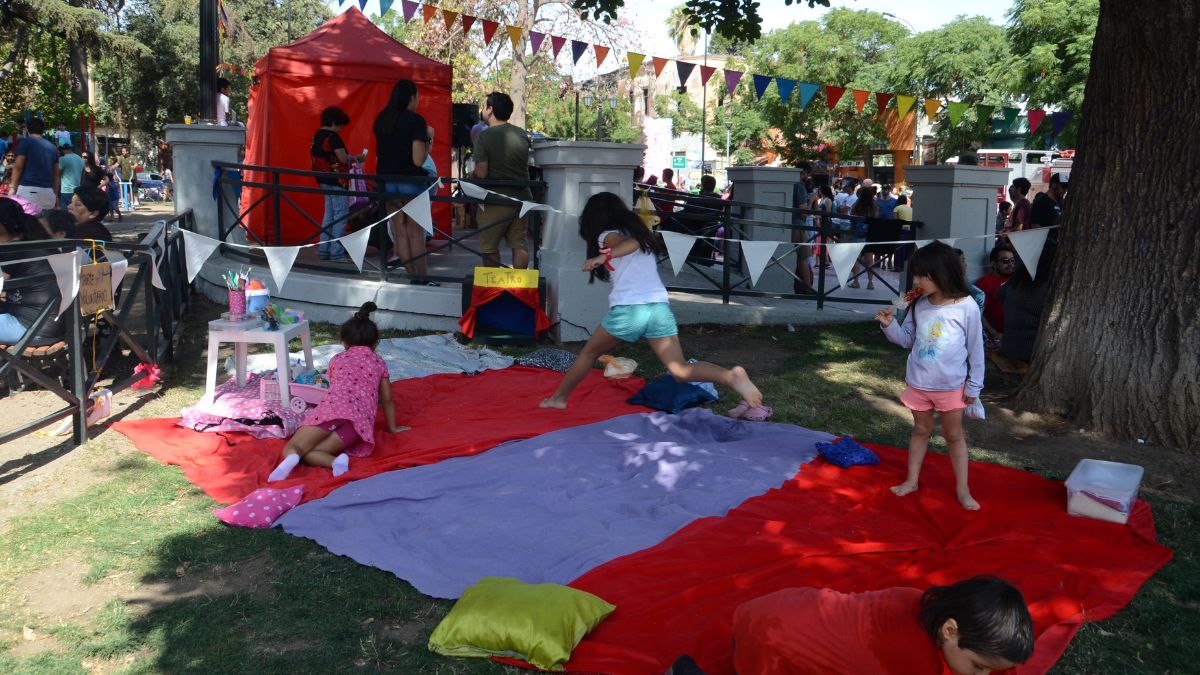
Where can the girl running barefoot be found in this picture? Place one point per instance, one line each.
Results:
(945, 368)
(343, 425)
(618, 241)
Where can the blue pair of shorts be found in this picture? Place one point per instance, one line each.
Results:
(630, 322)
(404, 189)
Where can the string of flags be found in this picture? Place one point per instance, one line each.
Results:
(684, 70)
(758, 254)
(199, 248)
(231, 68)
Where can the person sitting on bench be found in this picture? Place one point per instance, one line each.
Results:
(21, 305)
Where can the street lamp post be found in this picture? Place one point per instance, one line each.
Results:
(576, 114)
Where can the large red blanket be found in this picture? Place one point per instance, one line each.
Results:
(843, 529)
(450, 416)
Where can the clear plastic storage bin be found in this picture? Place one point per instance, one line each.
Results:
(1103, 490)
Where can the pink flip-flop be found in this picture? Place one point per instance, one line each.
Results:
(739, 410)
(758, 414)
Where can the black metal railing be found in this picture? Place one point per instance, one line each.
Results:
(277, 187)
(144, 319)
(720, 223)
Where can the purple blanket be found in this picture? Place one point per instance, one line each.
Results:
(550, 508)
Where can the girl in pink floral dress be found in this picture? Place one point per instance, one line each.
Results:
(343, 425)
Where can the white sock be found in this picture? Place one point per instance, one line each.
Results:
(341, 464)
(285, 467)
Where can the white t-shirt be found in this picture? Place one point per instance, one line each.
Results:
(635, 279)
(222, 110)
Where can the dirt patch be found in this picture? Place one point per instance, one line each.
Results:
(405, 632)
(59, 593)
(30, 642)
(252, 575)
(731, 345)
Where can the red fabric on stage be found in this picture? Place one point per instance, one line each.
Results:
(843, 529)
(346, 62)
(450, 416)
(481, 296)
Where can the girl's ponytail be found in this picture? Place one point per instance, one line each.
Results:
(360, 330)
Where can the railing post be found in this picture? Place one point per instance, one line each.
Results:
(78, 373)
(221, 208)
(152, 309)
(725, 294)
(381, 187)
(276, 204)
(824, 225)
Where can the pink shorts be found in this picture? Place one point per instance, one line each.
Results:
(941, 401)
(344, 429)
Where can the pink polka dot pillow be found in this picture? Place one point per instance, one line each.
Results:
(261, 507)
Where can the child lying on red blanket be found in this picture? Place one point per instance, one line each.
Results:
(969, 628)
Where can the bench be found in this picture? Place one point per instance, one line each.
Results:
(51, 356)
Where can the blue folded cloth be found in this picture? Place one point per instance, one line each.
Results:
(846, 452)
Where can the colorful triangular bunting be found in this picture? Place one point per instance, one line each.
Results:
(449, 17)
(904, 104)
(1060, 120)
(577, 50)
(685, 71)
(1010, 116)
(860, 99)
(882, 100)
(489, 31)
(732, 78)
(427, 11)
(659, 64)
(807, 91)
(932, 105)
(705, 73)
(635, 62)
(956, 110)
(984, 112)
(410, 8)
(535, 40)
(761, 82)
(556, 44)
(468, 21)
(384, 6)
(601, 54)
(514, 36)
(1035, 118)
(785, 87)
(833, 95)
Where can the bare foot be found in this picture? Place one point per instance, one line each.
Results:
(552, 403)
(904, 488)
(968, 502)
(740, 382)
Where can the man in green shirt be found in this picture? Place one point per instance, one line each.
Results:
(70, 167)
(128, 166)
(502, 154)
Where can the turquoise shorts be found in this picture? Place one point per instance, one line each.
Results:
(630, 322)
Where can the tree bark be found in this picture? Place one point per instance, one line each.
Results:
(516, 83)
(1119, 346)
(79, 72)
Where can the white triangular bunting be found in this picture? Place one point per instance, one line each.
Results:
(472, 190)
(196, 250)
(949, 241)
(356, 245)
(155, 279)
(526, 207)
(280, 258)
(758, 254)
(843, 257)
(678, 247)
(922, 243)
(1029, 244)
(119, 267)
(418, 209)
(66, 272)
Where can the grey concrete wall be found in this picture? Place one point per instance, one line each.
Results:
(770, 186)
(193, 149)
(958, 201)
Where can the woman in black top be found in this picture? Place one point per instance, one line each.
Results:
(20, 306)
(92, 175)
(401, 147)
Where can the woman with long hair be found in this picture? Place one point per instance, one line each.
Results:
(864, 207)
(401, 146)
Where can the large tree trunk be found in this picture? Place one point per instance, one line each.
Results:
(516, 82)
(1119, 348)
(79, 72)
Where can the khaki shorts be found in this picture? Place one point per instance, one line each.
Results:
(511, 228)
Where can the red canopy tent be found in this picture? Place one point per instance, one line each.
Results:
(346, 62)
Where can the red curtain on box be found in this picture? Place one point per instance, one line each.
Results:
(482, 295)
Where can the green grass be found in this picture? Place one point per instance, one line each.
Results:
(309, 611)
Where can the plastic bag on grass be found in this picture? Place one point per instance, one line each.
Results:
(618, 367)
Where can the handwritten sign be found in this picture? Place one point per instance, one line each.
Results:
(95, 288)
(501, 277)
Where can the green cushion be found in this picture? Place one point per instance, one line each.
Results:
(537, 623)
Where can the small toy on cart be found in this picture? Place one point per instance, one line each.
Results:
(308, 388)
